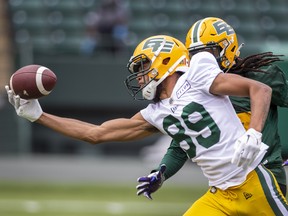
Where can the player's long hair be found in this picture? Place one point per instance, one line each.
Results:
(254, 63)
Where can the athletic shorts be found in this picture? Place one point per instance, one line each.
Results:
(258, 195)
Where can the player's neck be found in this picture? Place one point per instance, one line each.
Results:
(168, 86)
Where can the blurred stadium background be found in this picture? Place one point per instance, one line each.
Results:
(45, 173)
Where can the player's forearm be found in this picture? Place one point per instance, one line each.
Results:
(68, 127)
(120, 129)
(260, 104)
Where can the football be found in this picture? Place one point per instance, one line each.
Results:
(33, 81)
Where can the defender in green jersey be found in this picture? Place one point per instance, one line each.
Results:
(276, 79)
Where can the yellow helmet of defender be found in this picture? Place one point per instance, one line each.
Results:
(155, 58)
(216, 36)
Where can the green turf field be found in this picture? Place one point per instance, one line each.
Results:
(43, 199)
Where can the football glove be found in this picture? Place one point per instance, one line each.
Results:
(285, 163)
(28, 109)
(151, 183)
(247, 148)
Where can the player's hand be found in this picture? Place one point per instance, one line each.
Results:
(247, 148)
(285, 163)
(151, 183)
(28, 109)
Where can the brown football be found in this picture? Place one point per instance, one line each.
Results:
(33, 81)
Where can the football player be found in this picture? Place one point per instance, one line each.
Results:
(217, 37)
(190, 105)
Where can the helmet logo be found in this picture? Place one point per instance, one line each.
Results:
(155, 43)
(221, 26)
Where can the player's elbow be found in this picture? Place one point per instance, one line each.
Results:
(262, 92)
(91, 137)
(266, 91)
(92, 141)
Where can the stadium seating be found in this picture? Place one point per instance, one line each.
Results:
(54, 24)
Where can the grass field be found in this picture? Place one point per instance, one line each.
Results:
(43, 199)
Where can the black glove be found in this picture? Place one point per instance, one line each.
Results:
(151, 183)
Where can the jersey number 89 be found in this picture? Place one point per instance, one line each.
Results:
(202, 128)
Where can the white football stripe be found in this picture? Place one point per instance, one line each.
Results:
(11, 83)
(39, 82)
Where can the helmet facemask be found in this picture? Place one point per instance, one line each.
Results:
(139, 67)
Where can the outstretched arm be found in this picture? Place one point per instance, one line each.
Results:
(121, 129)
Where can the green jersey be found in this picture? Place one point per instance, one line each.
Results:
(276, 79)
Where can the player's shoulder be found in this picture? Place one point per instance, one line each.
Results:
(203, 61)
(202, 66)
(272, 74)
(203, 58)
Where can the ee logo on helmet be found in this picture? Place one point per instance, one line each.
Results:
(155, 43)
(221, 27)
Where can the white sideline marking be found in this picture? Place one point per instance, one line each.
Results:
(88, 206)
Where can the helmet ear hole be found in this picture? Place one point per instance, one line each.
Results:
(166, 61)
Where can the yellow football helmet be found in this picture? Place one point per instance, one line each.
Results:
(153, 60)
(216, 36)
